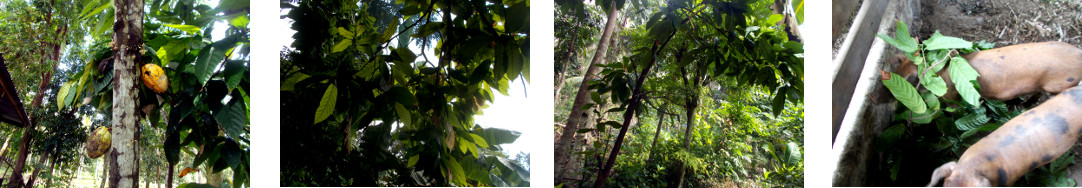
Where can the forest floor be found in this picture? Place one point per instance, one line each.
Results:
(1008, 22)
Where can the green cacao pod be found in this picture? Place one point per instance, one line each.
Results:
(98, 142)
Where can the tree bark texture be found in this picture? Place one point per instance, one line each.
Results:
(16, 178)
(629, 114)
(789, 22)
(563, 167)
(691, 104)
(128, 40)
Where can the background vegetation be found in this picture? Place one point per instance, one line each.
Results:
(679, 93)
(383, 93)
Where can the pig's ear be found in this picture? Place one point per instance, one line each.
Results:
(942, 172)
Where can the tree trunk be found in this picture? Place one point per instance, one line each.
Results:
(653, 144)
(789, 22)
(128, 40)
(16, 178)
(691, 104)
(563, 169)
(629, 114)
(567, 63)
(169, 177)
(105, 166)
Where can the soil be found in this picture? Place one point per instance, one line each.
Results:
(1004, 22)
(1008, 22)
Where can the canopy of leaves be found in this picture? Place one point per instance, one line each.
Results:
(363, 107)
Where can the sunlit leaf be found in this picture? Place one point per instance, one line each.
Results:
(191, 29)
(326, 105)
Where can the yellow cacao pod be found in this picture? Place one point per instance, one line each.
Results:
(98, 142)
(155, 78)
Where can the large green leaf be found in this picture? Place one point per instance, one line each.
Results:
(61, 96)
(190, 29)
(905, 93)
(938, 41)
(901, 39)
(234, 73)
(497, 136)
(403, 115)
(207, 61)
(402, 95)
(964, 77)
(233, 118)
(390, 31)
(326, 105)
(342, 45)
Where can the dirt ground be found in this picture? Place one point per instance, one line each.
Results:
(1007, 22)
(1004, 22)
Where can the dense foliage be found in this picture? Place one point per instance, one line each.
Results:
(204, 112)
(723, 72)
(383, 93)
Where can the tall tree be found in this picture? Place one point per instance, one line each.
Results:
(128, 41)
(53, 21)
(566, 164)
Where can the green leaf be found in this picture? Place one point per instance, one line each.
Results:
(234, 73)
(402, 95)
(794, 153)
(391, 30)
(518, 17)
(935, 84)
(403, 115)
(458, 176)
(775, 18)
(207, 61)
(240, 21)
(964, 77)
(938, 41)
(905, 93)
(190, 29)
(233, 118)
(479, 140)
(342, 45)
(90, 10)
(497, 136)
(929, 115)
(61, 95)
(902, 40)
(345, 33)
(971, 121)
(894, 170)
(288, 84)
(406, 55)
(987, 127)
(326, 105)
(779, 101)
(412, 161)
(889, 137)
